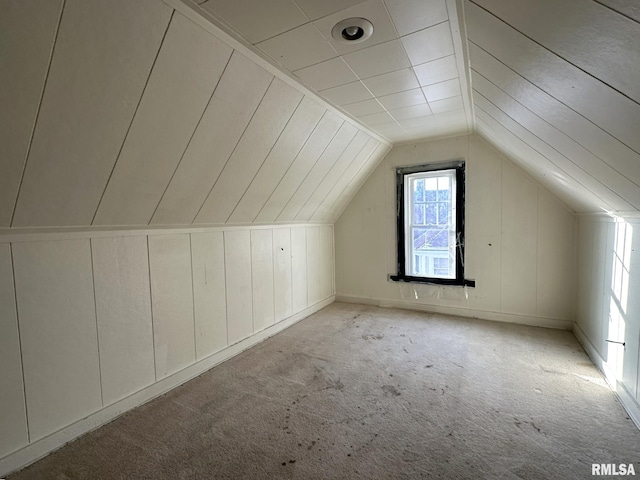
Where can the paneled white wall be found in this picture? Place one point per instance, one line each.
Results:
(519, 241)
(608, 304)
(90, 320)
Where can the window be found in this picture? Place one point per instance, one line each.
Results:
(431, 223)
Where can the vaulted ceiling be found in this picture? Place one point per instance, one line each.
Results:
(179, 112)
(553, 84)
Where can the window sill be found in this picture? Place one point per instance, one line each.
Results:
(433, 281)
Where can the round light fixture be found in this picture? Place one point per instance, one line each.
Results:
(352, 30)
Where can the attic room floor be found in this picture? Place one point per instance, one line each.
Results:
(362, 392)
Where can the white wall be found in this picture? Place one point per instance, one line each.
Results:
(608, 303)
(519, 241)
(95, 323)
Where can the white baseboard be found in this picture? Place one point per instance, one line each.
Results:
(40, 448)
(461, 312)
(626, 399)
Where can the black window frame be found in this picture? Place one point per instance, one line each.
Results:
(401, 173)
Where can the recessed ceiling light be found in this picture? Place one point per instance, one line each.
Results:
(352, 30)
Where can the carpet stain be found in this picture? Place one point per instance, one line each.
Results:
(372, 337)
(390, 389)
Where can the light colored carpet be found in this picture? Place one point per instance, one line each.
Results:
(362, 392)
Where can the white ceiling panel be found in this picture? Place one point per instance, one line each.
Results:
(328, 74)
(439, 70)
(315, 9)
(564, 145)
(27, 31)
(378, 59)
(355, 184)
(332, 177)
(577, 196)
(393, 82)
(403, 99)
(349, 93)
(374, 11)
(164, 123)
(429, 44)
(339, 186)
(442, 90)
(102, 59)
(411, 112)
(586, 34)
(280, 158)
(257, 20)
(234, 102)
(360, 109)
(562, 171)
(376, 119)
(557, 114)
(412, 15)
(298, 48)
(446, 105)
(585, 94)
(340, 142)
(318, 141)
(627, 8)
(266, 126)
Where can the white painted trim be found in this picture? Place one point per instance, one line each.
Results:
(40, 448)
(626, 399)
(214, 26)
(15, 235)
(461, 312)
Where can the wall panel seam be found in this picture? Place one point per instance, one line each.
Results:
(95, 311)
(24, 383)
(153, 334)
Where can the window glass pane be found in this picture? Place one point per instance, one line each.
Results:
(418, 214)
(443, 213)
(431, 214)
(420, 238)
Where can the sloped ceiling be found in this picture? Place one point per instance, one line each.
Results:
(168, 112)
(553, 84)
(556, 85)
(125, 113)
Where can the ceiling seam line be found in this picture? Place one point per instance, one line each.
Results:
(37, 114)
(311, 169)
(554, 127)
(292, 163)
(133, 117)
(557, 55)
(502, 147)
(617, 11)
(295, 157)
(551, 147)
(323, 177)
(204, 111)
(233, 151)
(267, 156)
(346, 184)
(552, 96)
(348, 198)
